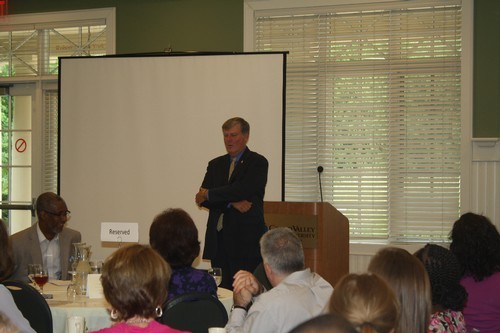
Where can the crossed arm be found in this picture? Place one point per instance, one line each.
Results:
(242, 206)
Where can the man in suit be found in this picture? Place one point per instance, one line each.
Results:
(47, 242)
(234, 196)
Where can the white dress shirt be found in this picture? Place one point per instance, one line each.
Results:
(51, 254)
(299, 297)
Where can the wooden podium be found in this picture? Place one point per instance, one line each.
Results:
(324, 232)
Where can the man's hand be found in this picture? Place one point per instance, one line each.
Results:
(242, 206)
(201, 196)
(242, 298)
(246, 280)
(245, 286)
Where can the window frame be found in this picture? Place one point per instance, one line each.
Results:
(250, 9)
(49, 82)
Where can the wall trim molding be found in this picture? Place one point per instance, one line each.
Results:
(486, 149)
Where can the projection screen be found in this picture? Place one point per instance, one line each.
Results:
(137, 132)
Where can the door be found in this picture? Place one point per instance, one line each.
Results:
(16, 165)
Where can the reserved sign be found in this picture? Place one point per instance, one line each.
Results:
(119, 232)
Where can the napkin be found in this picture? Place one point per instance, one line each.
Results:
(94, 286)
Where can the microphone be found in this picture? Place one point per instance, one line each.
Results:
(320, 170)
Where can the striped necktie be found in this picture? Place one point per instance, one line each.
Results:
(231, 169)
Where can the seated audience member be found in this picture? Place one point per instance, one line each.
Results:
(174, 236)
(407, 277)
(325, 323)
(134, 282)
(6, 325)
(367, 302)
(448, 296)
(47, 242)
(8, 307)
(297, 294)
(475, 242)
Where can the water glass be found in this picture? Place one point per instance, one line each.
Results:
(81, 282)
(216, 273)
(72, 292)
(95, 266)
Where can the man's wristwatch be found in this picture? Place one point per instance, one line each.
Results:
(240, 307)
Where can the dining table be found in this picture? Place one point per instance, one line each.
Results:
(94, 310)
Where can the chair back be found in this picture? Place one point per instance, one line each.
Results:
(31, 304)
(260, 274)
(194, 312)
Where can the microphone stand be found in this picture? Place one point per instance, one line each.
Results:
(320, 170)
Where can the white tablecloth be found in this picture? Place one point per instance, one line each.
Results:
(95, 311)
(226, 297)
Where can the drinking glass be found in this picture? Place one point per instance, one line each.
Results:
(32, 269)
(75, 258)
(81, 282)
(96, 266)
(41, 277)
(73, 291)
(216, 273)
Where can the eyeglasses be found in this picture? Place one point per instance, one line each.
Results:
(66, 214)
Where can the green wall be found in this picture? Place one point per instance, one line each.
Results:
(144, 26)
(486, 115)
(217, 25)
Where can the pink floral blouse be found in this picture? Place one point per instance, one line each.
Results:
(447, 321)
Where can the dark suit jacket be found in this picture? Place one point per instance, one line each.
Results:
(241, 231)
(26, 250)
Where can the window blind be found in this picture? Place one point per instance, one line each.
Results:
(50, 139)
(373, 96)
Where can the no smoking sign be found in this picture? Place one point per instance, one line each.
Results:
(21, 145)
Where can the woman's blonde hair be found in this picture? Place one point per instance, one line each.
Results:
(134, 281)
(367, 302)
(407, 277)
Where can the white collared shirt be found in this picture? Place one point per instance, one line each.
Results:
(299, 297)
(51, 254)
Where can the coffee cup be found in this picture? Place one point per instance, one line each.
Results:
(216, 330)
(76, 324)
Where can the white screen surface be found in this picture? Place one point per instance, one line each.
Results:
(137, 133)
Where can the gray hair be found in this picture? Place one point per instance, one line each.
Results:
(244, 125)
(282, 249)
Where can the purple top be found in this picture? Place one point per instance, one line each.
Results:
(482, 310)
(153, 327)
(188, 279)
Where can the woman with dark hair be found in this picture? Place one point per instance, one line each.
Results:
(174, 236)
(475, 242)
(448, 296)
(134, 282)
(7, 305)
(407, 277)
